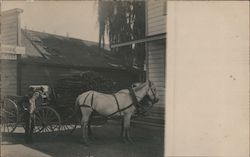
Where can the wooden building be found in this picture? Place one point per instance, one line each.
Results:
(38, 58)
(10, 51)
(156, 48)
(49, 57)
(155, 42)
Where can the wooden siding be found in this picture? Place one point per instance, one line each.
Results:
(8, 77)
(9, 29)
(156, 61)
(156, 18)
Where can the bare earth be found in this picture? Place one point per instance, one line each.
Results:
(149, 142)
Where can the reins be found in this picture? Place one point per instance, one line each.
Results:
(152, 90)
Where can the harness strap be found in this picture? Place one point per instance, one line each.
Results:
(134, 99)
(118, 107)
(92, 99)
(85, 105)
(119, 111)
(86, 98)
(134, 103)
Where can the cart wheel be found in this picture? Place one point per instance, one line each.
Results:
(47, 120)
(67, 128)
(9, 116)
(69, 124)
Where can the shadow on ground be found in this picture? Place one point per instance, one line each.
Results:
(149, 142)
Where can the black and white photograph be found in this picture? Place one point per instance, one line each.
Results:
(83, 78)
(124, 78)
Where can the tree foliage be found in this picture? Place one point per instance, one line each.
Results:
(123, 21)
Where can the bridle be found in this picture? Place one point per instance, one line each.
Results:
(154, 94)
(153, 101)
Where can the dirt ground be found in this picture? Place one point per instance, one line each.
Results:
(149, 142)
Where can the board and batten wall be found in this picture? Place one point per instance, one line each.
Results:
(10, 24)
(156, 65)
(155, 17)
(156, 25)
(10, 30)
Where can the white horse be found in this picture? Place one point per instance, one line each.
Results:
(123, 103)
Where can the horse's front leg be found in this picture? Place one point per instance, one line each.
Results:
(126, 125)
(122, 128)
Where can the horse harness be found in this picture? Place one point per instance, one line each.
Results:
(132, 94)
(152, 92)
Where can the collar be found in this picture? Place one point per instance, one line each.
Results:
(134, 99)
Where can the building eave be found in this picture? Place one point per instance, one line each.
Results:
(10, 51)
(12, 11)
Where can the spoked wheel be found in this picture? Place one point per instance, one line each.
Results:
(9, 116)
(68, 125)
(47, 120)
(67, 128)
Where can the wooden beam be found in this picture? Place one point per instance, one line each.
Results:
(144, 40)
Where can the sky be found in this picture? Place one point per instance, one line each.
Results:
(78, 19)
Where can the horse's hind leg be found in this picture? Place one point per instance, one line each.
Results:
(86, 112)
(90, 133)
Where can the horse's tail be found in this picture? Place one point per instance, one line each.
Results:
(77, 106)
(76, 112)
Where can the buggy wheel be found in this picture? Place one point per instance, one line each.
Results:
(69, 124)
(46, 120)
(9, 116)
(67, 128)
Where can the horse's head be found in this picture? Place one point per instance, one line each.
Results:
(152, 93)
(151, 96)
